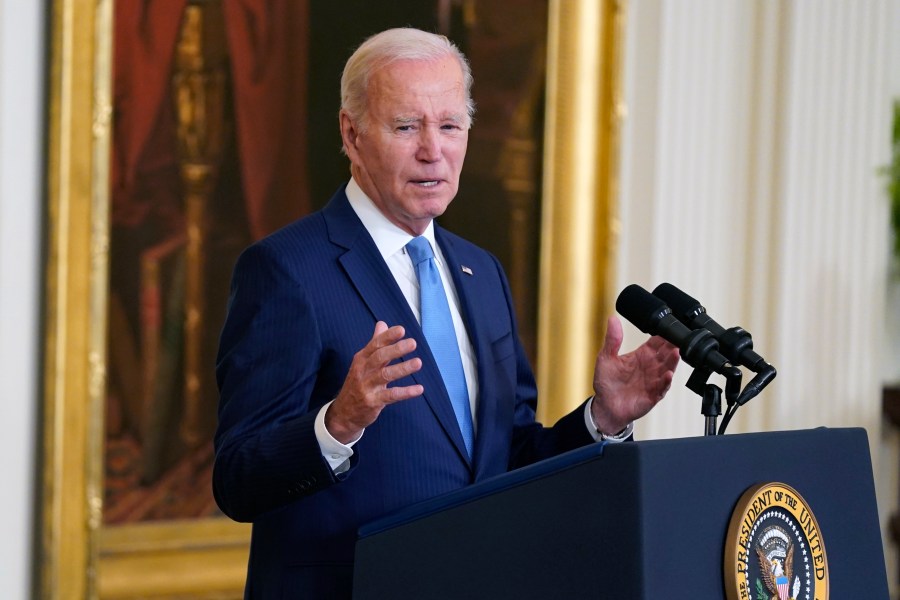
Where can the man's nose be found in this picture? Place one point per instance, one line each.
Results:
(429, 145)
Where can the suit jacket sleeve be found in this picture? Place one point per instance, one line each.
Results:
(267, 454)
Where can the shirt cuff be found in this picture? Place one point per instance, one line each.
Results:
(336, 454)
(597, 434)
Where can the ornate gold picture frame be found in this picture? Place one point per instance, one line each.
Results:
(206, 558)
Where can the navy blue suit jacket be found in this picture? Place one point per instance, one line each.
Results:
(303, 301)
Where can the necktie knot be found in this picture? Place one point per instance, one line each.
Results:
(419, 249)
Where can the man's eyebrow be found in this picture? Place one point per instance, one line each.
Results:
(404, 120)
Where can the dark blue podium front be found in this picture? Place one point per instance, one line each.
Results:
(643, 520)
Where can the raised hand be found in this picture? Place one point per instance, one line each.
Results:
(628, 386)
(365, 391)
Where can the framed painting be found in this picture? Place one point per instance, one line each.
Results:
(179, 133)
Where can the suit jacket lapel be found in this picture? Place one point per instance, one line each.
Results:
(375, 283)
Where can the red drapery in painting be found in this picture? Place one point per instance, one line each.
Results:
(268, 51)
(269, 56)
(151, 473)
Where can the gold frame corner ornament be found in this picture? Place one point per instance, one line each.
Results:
(81, 558)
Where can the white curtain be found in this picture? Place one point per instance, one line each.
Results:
(752, 140)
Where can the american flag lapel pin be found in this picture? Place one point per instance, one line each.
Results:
(466, 270)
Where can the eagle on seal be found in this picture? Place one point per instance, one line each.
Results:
(775, 575)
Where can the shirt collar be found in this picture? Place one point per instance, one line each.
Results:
(388, 237)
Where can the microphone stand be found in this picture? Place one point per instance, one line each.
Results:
(711, 407)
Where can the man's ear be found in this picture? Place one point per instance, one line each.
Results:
(349, 134)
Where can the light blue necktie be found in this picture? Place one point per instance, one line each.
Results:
(437, 324)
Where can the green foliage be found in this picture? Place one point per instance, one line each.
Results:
(761, 591)
(892, 173)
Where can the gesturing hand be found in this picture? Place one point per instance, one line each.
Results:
(365, 391)
(627, 386)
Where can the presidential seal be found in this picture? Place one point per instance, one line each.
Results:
(774, 549)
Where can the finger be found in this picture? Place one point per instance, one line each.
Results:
(672, 359)
(380, 327)
(663, 386)
(658, 344)
(400, 393)
(612, 343)
(400, 370)
(667, 358)
(383, 336)
(662, 353)
(388, 335)
(382, 356)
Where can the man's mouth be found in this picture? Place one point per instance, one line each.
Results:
(426, 182)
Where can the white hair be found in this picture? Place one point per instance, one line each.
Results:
(382, 49)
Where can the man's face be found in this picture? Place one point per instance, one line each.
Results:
(409, 157)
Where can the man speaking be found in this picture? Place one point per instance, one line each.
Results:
(370, 359)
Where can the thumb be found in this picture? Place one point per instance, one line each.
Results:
(614, 335)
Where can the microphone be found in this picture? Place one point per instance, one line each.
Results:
(648, 313)
(735, 343)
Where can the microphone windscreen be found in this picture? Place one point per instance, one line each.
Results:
(682, 305)
(641, 308)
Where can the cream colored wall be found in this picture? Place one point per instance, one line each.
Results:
(21, 106)
(751, 145)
